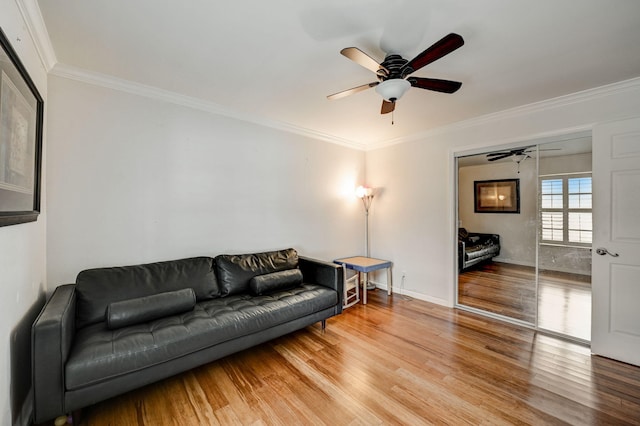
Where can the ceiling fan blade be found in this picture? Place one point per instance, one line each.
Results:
(443, 47)
(387, 107)
(493, 154)
(444, 86)
(352, 90)
(500, 157)
(361, 58)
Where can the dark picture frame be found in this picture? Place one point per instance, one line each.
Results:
(497, 196)
(21, 118)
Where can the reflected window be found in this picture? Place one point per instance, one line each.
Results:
(565, 210)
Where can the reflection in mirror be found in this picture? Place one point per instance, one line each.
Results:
(533, 266)
(564, 255)
(497, 247)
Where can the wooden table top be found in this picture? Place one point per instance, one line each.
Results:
(364, 264)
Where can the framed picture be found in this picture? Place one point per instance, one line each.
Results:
(497, 196)
(21, 112)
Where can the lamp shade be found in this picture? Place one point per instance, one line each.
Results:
(363, 191)
(393, 89)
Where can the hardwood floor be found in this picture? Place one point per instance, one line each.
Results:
(396, 360)
(564, 299)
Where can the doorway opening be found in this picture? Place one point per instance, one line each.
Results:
(529, 265)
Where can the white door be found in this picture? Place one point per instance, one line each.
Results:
(616, 241)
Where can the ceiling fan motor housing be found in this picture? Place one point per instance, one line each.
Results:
(394, 64)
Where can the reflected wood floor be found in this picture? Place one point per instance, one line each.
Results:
(509, 290)
(501, 288)
(396, 360)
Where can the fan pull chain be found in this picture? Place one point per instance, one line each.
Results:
(392, 112)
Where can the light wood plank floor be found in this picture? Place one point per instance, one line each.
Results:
(506, 289)
(396, 360)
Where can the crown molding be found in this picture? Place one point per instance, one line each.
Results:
(95, 78)
(37, 29)
(110, 82)
(558, 102)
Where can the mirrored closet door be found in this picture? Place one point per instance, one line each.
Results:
(524, 235)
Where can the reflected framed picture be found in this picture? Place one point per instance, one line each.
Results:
(21, 113)
(497, 196)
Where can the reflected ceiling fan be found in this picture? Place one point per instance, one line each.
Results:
(394, 72)
(518, 154)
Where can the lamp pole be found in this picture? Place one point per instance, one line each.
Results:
(366, 201)
(366, 194)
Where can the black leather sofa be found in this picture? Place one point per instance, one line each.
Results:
(474, 247)
(120, 328)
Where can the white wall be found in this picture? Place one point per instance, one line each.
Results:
(413, 222)
(132, 180)
(22, 257)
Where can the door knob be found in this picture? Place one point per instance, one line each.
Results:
(602, 251)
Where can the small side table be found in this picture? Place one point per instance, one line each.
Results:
(364, 265)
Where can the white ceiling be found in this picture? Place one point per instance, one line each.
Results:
(278, 60)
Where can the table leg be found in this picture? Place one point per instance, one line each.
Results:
(389, 284)
(365, 281)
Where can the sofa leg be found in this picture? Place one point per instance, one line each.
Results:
(61, 420)
(324, 324)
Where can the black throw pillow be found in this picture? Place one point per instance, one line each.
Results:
(148, 308)
(282, 280)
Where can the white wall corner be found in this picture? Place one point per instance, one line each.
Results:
(32, 16)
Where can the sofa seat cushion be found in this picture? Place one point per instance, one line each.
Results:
(100, 354)
(481, 250)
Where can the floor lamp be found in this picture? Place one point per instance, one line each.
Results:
(366, 194)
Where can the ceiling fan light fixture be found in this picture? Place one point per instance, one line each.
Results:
(393, 89)
(518, 158)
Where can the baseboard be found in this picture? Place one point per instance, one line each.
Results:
(565, 270)
(413, 294)
(542, 267)
(513, 262)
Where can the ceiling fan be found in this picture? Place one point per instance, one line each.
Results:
(519, 154)
(394, 72)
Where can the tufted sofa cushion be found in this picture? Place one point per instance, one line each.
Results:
(488, 248)
(101, 353)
